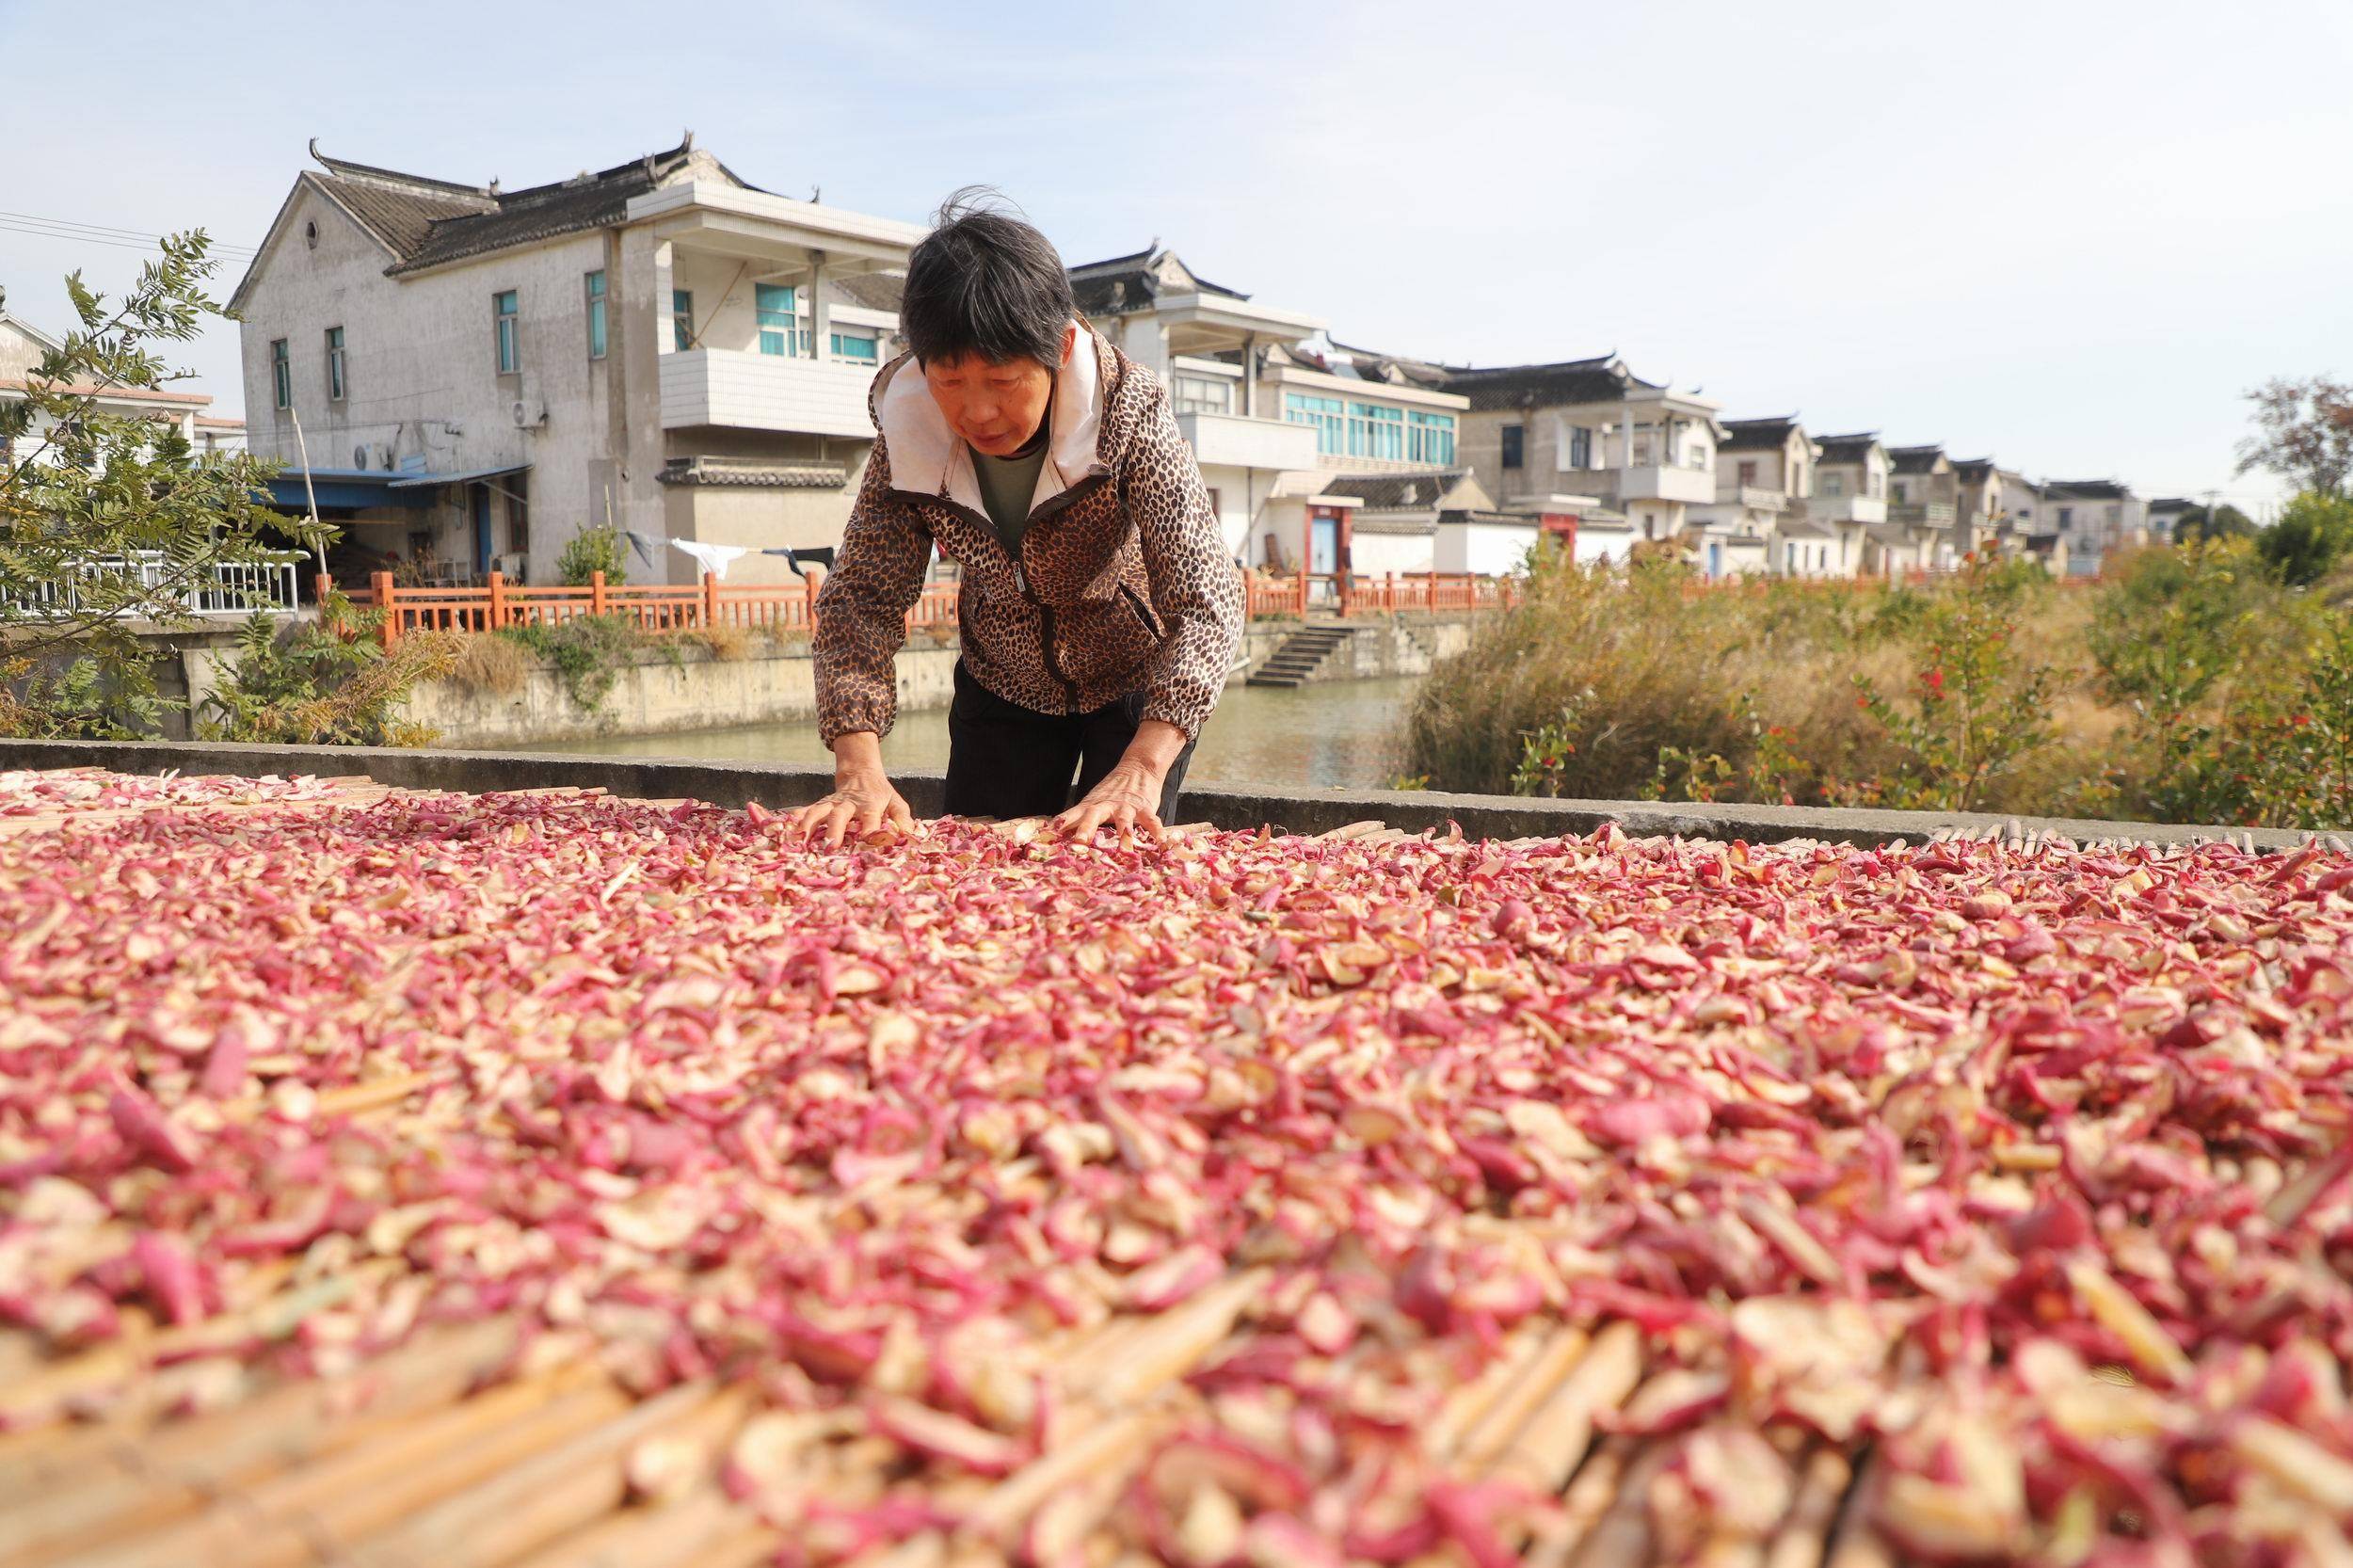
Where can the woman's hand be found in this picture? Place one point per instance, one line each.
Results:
(863, 799)
(1128, 798)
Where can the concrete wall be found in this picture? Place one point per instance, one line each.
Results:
(1242, 806)
(776, 684)
(651, 696)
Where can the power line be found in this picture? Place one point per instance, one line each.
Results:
(92, 233)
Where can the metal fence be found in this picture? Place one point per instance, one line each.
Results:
(229, 588)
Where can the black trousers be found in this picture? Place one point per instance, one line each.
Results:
(1005, 760)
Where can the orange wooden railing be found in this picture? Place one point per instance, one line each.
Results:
(496, 604)
(1348, 594)
(787, 608)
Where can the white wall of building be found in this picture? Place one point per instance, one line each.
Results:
(1487, 549)
(1371, 554)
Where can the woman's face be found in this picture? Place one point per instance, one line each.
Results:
(997, 407)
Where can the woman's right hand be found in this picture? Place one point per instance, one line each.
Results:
(863, 798)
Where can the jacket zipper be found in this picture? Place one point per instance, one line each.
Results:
(1021, 582)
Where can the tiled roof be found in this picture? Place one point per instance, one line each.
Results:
(1914, 459)
(755, 473)
(1383, 492)
(1125, 284)
(427, 222)
(1847, 449)
(875, 291)
(1571, 381)
(119, 393)
(2085, 490)
(1974, 471)
(1757, 435)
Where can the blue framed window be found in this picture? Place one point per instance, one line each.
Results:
(780, 319)
(1430, 437)
(1376, 430)
(1329, 415)
(506, 310)
(682, 318)
(281, 374)
(596, 313)
(860, 346)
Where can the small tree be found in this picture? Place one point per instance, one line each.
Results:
(1980, 709)
(2201, 523)
(108, 519)
(2303, 433)
(592, 551)
(2313, 532)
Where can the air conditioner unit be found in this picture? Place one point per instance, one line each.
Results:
(359, 455)
(529, 411)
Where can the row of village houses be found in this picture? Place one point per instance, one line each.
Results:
(467, 377)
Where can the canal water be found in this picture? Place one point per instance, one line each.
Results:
(1337, 734)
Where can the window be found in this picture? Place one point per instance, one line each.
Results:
(1515, 445)
(1580, 447)
(865, 347)
(1329, 415)
(2115, 515)
(1903, 492)
(1375, 430)
(1203, 395)
(511, 348)
(682, 318)
(1430, 437)
(1748, 471)
(780, 319)
(2067, 517)
(1833, 484)
(334, 364)
(281, 374)
(596, 313)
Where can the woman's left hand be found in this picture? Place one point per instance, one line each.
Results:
(1129, 799)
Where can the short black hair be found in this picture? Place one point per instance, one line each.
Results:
(983, 281)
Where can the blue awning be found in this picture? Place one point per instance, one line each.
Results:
(428, 481)
(341, 489)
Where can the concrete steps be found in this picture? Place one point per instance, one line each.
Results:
(1300, 656)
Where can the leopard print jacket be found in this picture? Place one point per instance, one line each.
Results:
(1123, 581)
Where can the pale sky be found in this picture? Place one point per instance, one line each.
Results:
(2066, 233)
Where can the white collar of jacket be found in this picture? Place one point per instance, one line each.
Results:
(927, 458)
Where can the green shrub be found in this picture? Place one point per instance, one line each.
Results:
(592, 551)
(325, 681)
(2313, 532)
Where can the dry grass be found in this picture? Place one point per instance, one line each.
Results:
(489, 662)
(726, 644)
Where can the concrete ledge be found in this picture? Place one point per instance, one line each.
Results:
(735, 784)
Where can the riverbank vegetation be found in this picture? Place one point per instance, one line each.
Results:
(2212, 682)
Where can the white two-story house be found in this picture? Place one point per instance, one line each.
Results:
(1764, 472)
(1219, 352)
(1588, 438)
(476, 375)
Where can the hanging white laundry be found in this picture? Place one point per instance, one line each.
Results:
(712, 558)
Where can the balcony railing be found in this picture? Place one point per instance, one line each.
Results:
(1922, 514)
(1238, 440)
(764, 391)
(231, 588)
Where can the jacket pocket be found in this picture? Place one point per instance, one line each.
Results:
(1142, 611)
